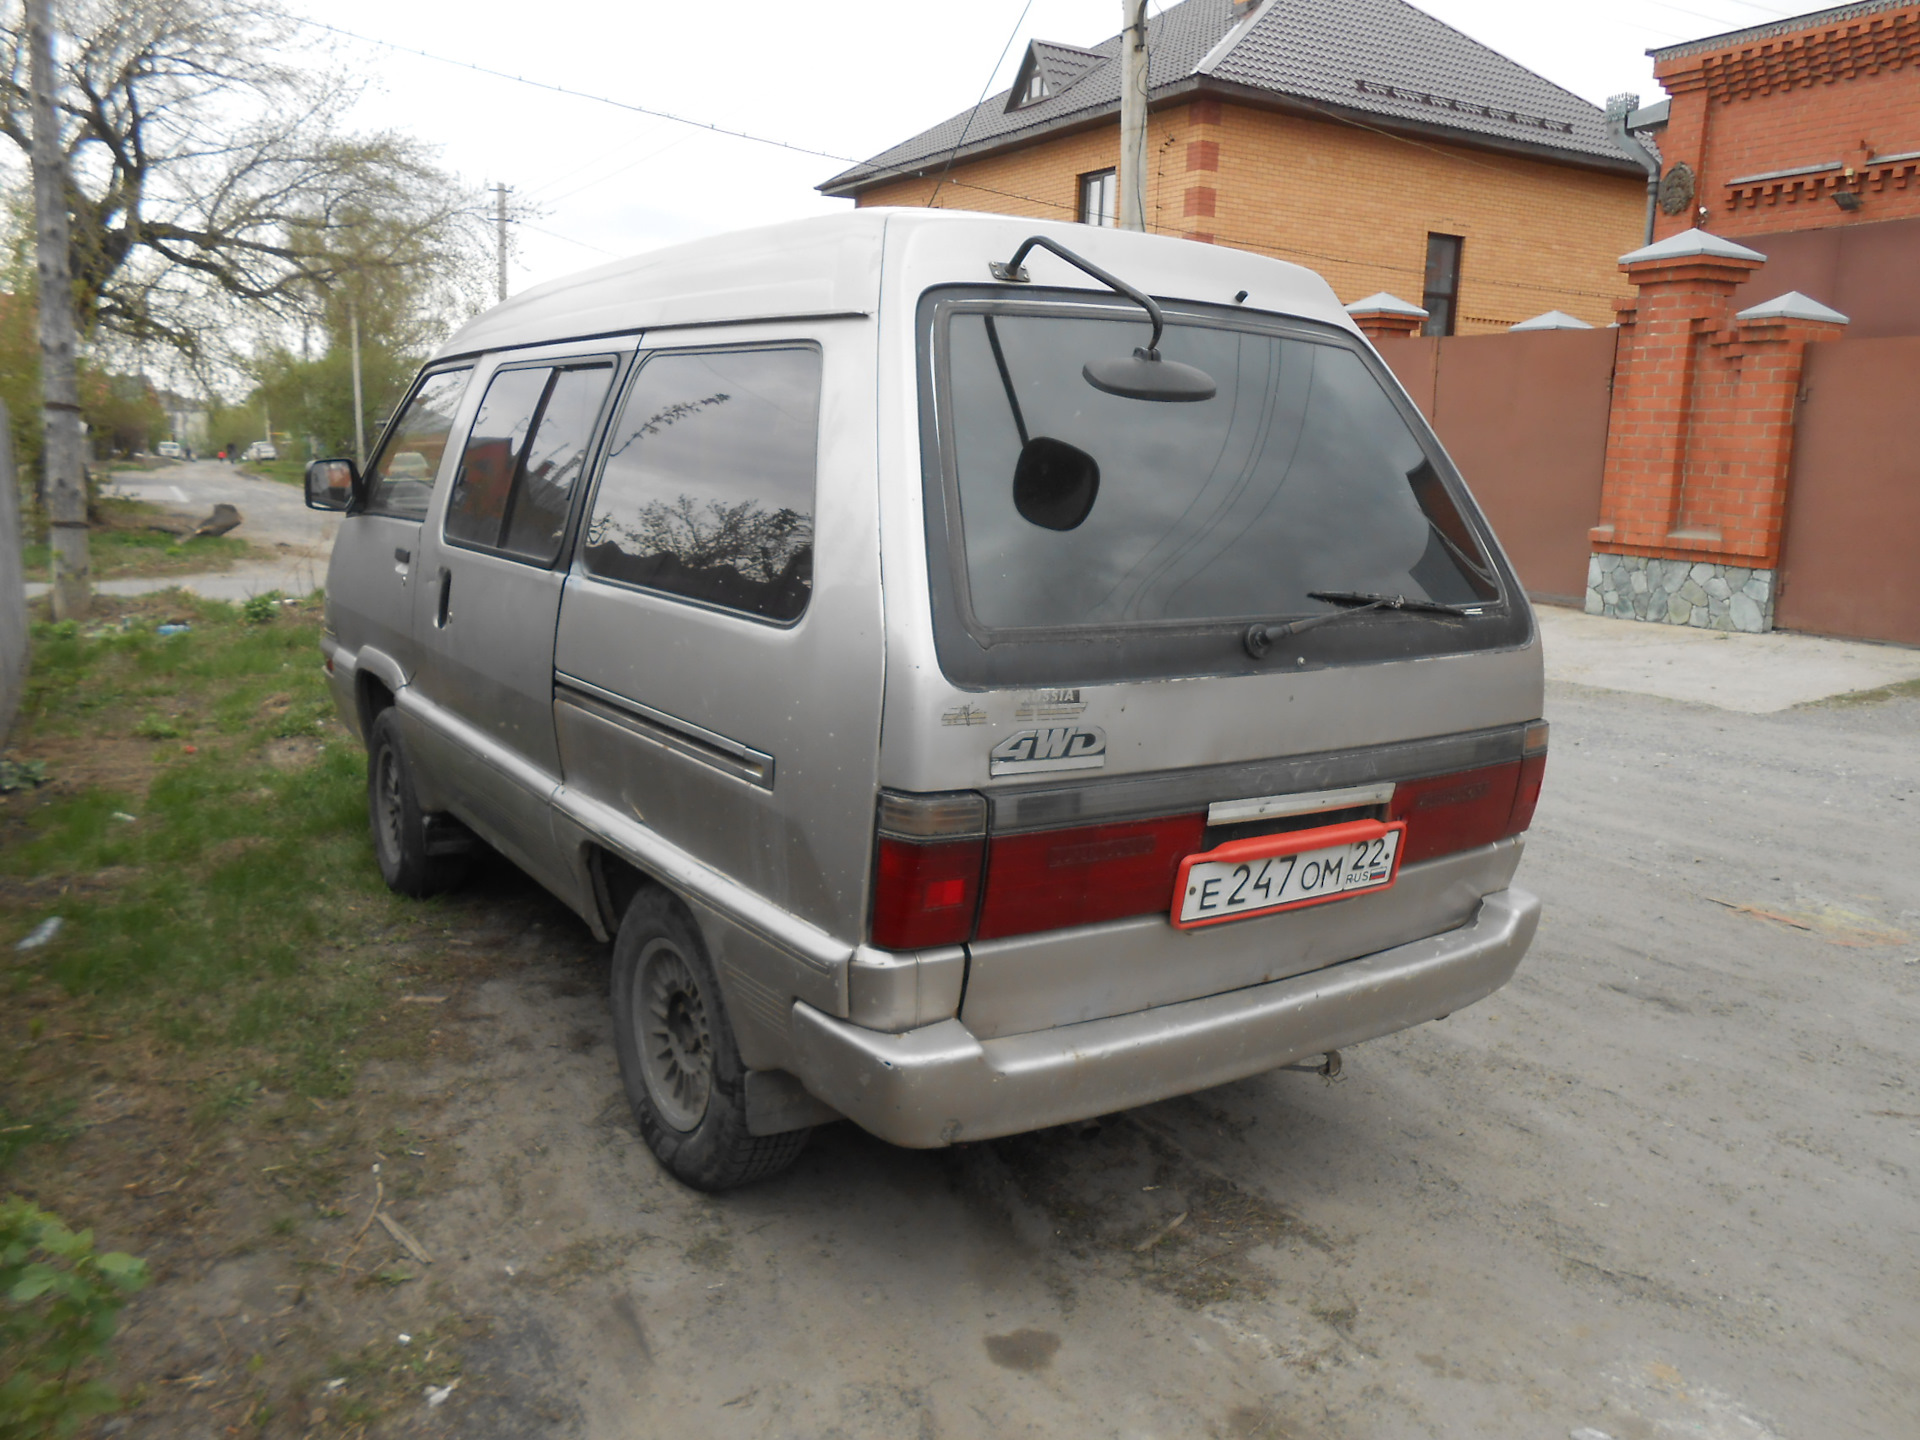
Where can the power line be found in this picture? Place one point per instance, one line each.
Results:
(553, 235)
(579, 94)
(981, 101)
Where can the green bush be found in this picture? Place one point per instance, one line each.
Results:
(58, 1304)
(260, 609)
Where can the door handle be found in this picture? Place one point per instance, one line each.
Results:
(403, 555)
(446, 597)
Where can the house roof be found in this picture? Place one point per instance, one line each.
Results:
(1381, 62)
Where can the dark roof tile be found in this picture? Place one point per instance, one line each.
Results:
(1363, 57)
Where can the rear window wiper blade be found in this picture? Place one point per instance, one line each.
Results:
(1260, 635)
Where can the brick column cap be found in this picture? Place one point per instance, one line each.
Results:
(1381, 303)
(1691, 244)
(1793, 306)
(1553, 320)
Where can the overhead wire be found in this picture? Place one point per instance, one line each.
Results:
(984, 90)
(578, 94)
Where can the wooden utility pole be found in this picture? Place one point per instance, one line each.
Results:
(62, 454)
(500, 233)
(1133, 115)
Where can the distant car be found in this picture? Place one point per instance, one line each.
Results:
(171, 449)
(262, 450)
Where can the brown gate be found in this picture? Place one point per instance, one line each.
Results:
(1852, 560)
(1525, 418)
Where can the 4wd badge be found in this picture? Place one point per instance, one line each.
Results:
(1063, 747)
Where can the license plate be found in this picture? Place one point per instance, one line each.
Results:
(1283, 872)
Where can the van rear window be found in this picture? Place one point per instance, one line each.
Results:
(1074, 515)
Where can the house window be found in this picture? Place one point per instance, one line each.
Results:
(1100, 198)
(1442, 298)
(1036, 89)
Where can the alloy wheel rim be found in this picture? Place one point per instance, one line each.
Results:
(675, 1035)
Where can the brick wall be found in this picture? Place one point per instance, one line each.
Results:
(1839, 101)
(1355, 205)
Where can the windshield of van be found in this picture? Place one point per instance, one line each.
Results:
(1081, 509)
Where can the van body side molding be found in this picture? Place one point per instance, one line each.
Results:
(669, 732)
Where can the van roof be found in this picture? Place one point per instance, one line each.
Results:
(831, 266)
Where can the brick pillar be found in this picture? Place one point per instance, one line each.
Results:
(1198, 212)
(1700, 440)
(1386, 317)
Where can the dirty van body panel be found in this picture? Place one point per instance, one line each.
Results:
(491, 567)
(727, 702)
(376, 557)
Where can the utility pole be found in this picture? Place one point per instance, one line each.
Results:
(359, 402)
(1133, 115)
(59, 382)
(500, 230)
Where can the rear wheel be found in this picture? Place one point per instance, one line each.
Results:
(399, 825)
(678, 1060)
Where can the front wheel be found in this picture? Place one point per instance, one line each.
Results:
(399, 825)
(678, 1059)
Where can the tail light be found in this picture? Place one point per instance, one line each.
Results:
(927, 880)
(940, 879)
(1533, 769)
(1470, 808)
(1084, 875)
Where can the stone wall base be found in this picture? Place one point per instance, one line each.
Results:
(1680, 592)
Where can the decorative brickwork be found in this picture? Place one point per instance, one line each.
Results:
(1700, 437)
(1778, 120)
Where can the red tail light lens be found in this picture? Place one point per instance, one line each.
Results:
(1446, 813)
(1084, 875)
(926, 892)
(927, 877)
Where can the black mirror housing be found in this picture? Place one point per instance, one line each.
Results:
(1055, 484)
(332, 484)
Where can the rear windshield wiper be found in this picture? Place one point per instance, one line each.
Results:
(1260, 635)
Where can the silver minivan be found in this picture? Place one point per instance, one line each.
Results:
(981, 673)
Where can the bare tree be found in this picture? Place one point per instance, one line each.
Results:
(209, 173)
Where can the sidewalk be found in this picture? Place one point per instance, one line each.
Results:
(1753, 674)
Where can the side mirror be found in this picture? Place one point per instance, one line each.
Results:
(332, 484)
(1054, 483)
(1145, 376)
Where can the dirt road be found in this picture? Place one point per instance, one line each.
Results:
(1662, 1185)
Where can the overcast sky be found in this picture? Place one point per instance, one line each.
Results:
(849, 77)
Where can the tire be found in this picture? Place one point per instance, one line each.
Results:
(399, 825)
(678, 1059)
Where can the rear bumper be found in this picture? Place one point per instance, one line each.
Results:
(939, 1084)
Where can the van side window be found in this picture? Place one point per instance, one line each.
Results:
(707, 491)
(401, 480)
(526, 449)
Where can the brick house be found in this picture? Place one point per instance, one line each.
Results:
(1800, 139)
(1362, 138)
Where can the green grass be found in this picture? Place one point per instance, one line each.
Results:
(243, 912)
(123, 547)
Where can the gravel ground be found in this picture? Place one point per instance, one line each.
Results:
(1662, 1185)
